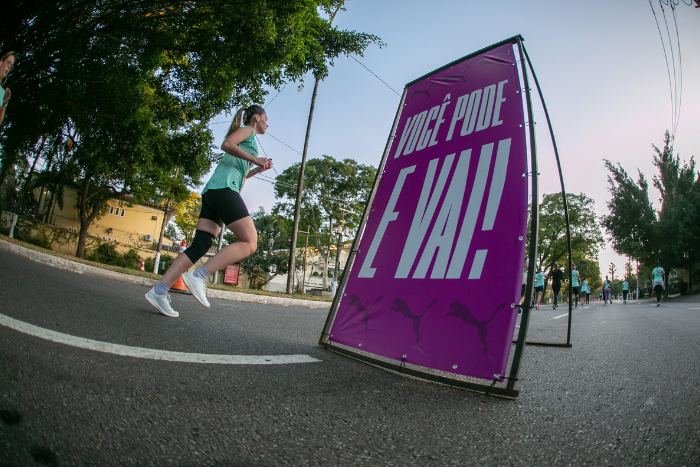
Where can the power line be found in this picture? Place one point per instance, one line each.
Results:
(375, 75)
(279, 140)
(280, 92)
(668, 70)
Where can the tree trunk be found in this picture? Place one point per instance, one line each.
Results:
(85, 218)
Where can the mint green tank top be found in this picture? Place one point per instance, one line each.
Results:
(231, 171)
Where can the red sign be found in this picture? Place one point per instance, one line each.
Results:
(231, 276)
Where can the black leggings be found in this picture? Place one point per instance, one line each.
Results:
(659, 291)
(556, 290)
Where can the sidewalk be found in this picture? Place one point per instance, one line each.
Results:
(93, 271)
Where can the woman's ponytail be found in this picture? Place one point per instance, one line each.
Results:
(236, 123)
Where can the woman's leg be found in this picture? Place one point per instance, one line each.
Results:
(247, 236)
(182, 263)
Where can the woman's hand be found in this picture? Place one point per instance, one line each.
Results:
(263, 164)
(7, 97)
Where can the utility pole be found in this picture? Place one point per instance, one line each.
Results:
(297, 207)
(342, 230)
(156, 263)
(303, 275)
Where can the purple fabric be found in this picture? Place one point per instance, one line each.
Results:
(439, 266)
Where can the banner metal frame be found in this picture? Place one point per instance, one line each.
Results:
(325, 340)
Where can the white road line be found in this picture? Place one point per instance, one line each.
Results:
(561, 316)
(152, 354)
(694, 308)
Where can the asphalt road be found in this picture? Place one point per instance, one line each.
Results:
(627, 393)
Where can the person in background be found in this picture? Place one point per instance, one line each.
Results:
(606, 290)
(625, 291)
(7, 63)
(556, 276)
(658, 284)
(539, 286)
(575, 284)
(584, 291)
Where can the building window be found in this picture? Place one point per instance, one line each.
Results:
(122, 215)
(111, 209)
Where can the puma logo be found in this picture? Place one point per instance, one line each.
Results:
(402, 307)
(462, 312)
(357, 303)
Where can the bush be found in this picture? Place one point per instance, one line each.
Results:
(683, 287)
(106, 253)
(165, 260)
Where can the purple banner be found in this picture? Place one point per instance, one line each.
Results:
(440, 261)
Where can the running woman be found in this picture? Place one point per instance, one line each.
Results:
(539, 286)
(625, 291)
(7, 63)
(557, 276)
(221, 203)
(606, 290)
(584, 291)
(574, 283)
(658, 284)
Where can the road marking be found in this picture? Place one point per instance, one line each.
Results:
(694, 308)
(152, 354)
(561, 316)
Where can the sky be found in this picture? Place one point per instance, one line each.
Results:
(600, 64)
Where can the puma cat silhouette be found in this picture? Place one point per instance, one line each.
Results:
(357, 304)
(402, 307)
(462, 312)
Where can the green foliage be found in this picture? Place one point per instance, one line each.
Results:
(586, 237)
(266, 262)
(165, 260)
(115, 95)
(106, 253)
(671, 236)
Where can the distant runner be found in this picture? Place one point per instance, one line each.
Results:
(625, 291)
(606, 290)
(574, 283)
(658, 285)
(557, 276)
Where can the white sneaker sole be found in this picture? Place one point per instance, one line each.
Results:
(157, 307)
(191, 288)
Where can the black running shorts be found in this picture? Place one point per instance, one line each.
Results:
(223, 205)
(575, 290)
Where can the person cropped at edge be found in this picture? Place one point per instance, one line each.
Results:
(658, 284)
(7, 63)
(221, 204)
(557, 276)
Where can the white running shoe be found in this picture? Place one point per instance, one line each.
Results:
(198, 288)
(162, 303)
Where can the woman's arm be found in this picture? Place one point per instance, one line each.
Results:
(230, 146)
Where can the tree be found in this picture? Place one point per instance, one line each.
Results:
(187, 214)
(586, 238)
(671, 235)
(333, 191)
(271, 258)
(130, 84)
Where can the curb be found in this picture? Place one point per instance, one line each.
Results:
(93, 271)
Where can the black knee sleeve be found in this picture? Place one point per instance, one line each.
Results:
(200, 245)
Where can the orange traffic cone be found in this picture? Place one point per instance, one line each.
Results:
(142, 268)
(179, 286)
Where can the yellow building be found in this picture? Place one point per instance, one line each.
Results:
(129, 226)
